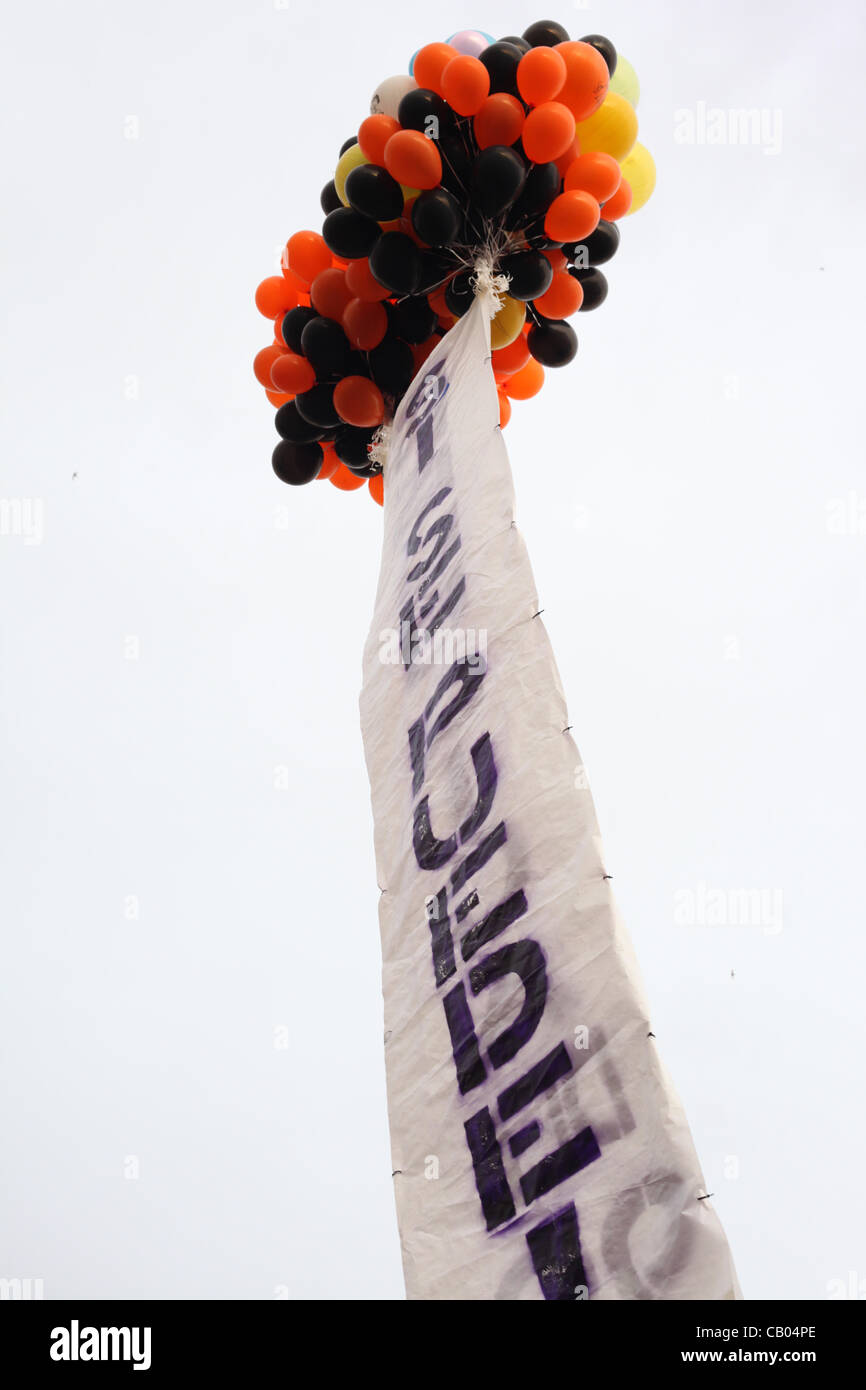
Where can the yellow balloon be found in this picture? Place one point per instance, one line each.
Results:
(640, 169)
(624, 81)
(611, 129)
(348, 161)
(507, 322)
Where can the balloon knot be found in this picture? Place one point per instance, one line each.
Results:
(488, 285)
(378, 450)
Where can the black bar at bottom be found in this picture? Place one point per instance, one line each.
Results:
(215, 1339)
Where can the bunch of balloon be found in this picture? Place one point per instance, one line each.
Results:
(518, 154)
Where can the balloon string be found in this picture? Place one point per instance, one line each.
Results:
(453, 171)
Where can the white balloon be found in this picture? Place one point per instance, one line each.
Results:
(388, 95)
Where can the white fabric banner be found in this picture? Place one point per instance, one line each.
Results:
(538, 1148)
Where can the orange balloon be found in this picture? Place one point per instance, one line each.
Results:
(465, 84)
(330, 294)
(586, 78)
(562, 298)
(358, 401)
(525, 383)
(279, 397)
(343, 478)
(330, 462)
(377, 489)
(290, 372)
(275, 296)
(569, 157)
(572, 216)
(364, 324)
(548, 132)
(508, 360)
(412, 159)
(363, 283)
(596, 173)
(540, 75)
(307, 255)
(556, 257)
(374, 134)
(617, 206)
(263, 361)
(299, 285)
(504, 409)
(437, 302)
(430, 63)
(499, 121)
(421, 351)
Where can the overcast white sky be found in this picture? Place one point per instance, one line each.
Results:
(185, 641)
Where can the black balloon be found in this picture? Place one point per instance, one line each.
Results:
(518, 42)
(537, 236)
(292, 426)
(600, 246)
(436, 266)
(459, 293)
(605, 48)
(530, 274)
(437, 217)
(317, 406)
(347, 144)
(542, 185)
(545, 33)
(296, 463)
(412, 319)
(350, 446)
(349, 233)
(498, 177)
(329, 197)
(356, 364)
(594, 285)
(373, 192)
(426, 111)
(396, 262)
(456, 166)
(552, 343)
(293, 325)
(392, 365)
(500, 60)
(325, 345)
